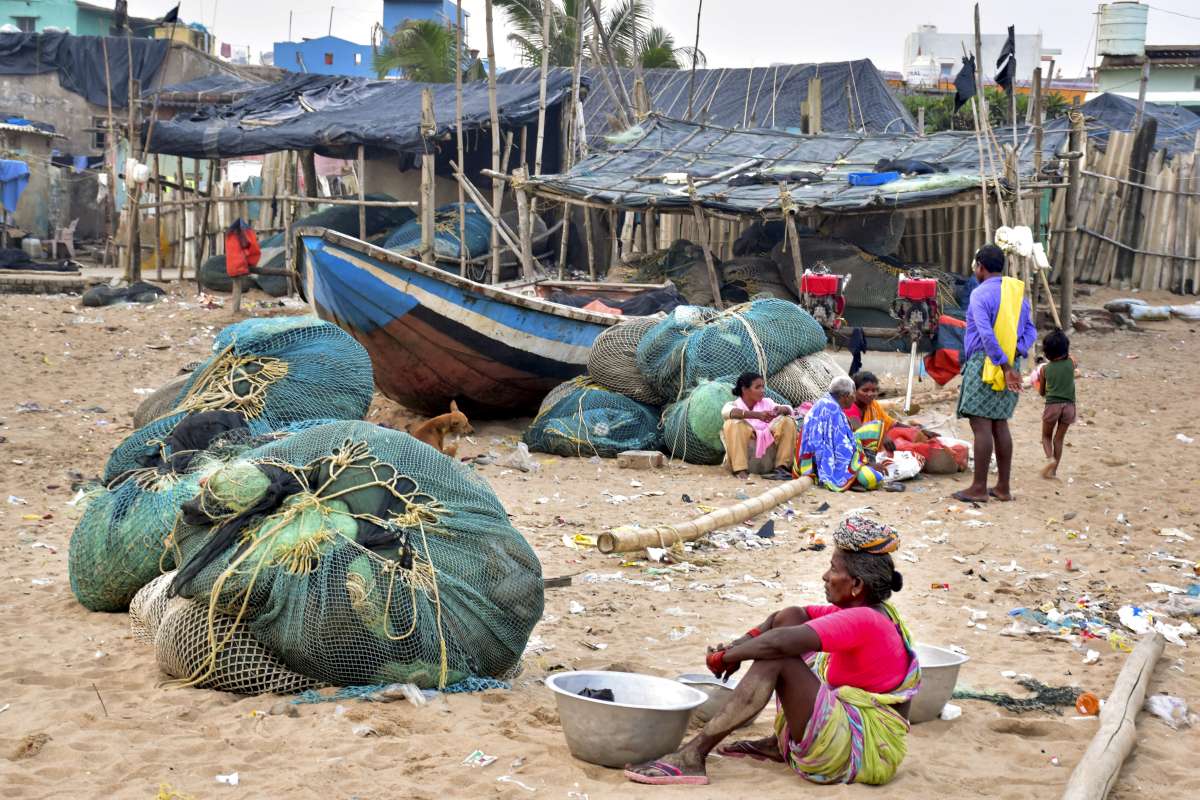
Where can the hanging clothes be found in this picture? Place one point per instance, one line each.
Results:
(14, 176)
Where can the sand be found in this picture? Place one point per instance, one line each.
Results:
(83, 714)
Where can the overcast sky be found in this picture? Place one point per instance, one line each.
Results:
(733, 33)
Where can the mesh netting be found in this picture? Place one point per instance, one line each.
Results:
(362, 556)
(589, 420)
(612, 361)
(147, 606)
(562, 390)
(274, 371)
(407, 238)
(694, 344)
(692, 426)
(806, 379)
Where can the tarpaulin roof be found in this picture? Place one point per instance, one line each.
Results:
(207, 90)
(1109, 112)
(330, 114)
(754, 97)
(79, 62)
(630, 174)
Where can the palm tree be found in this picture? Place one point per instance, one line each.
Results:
(525, 22)
(658, 49)
(423, 50)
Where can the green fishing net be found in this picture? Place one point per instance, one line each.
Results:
(588, 420)
(692, 426)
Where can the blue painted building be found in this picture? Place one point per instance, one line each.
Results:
(327, 55)
(395, 12)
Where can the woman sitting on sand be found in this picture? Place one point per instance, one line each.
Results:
(843, 677)
(829, 453)
(754, 416)
(870, 421)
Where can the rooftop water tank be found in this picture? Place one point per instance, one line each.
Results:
(1122, 29)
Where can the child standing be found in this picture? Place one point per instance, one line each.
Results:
(1057, 384)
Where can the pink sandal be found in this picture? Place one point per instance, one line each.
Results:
(671, 775)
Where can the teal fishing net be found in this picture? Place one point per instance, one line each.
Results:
(694, 343)
(588, 420)
(446, 245)
(692, 426)
(358, 556)
(612, 361)
(273, 371)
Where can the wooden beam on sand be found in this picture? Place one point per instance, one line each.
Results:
(1097, 771)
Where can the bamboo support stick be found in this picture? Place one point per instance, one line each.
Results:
(498, 225)
(458, 135)
(524, 223)
(591, 245)
(1100, 765)
(428, 196)
(494, 121)
(202, 241)
(158, 224)
(628, 539)
(610, 52)
(713, 281)
(541, 125)
(362, 192)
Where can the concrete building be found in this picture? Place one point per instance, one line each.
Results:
(931, 56)
(81, 19)
(1174, 74)
(327, 55)
(396, 12)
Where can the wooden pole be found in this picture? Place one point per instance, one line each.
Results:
(133, 268)
(702, 232)
(362, 192)
(793, 236)
(179, 251)
(612, 58)
(541, 128)
(488, 210)
(614, 242)
(308, 162)
(983, 187)
(562, 242)
(814, 104)
(458, 134)
(1076, 145)
(196, 221)
(1034, 118)
(1093, 778)
(591, 245)
(524, 222)
(428, 193)
(202, 241)
(628, 539)
(497, 186)
(695, 56)
(1131, 227)
(921, 121)
(158, 224)
(1139, 115)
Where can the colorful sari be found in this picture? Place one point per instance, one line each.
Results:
(829, 453)
(853, 736)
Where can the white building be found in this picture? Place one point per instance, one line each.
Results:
(930, 57)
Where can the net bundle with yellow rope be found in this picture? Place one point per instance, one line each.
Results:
(695, 343)
(359, 556)
(119, 542)
(272, 372)
(583, 419)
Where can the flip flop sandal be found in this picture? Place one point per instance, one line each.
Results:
(962, 498)
(671, 776)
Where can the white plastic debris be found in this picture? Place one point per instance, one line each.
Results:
(364, 730)
(229, 780)
(515, 782)
(478, 759)
(576, 607)
(1184, 438)
(1171, 710)
(1092, 657)
(950, 712)
(1176, 533)
(1164, 588)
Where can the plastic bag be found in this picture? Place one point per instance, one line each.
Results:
(1171, 710)
(1190, 311)
(902, 465)
(1150, 313)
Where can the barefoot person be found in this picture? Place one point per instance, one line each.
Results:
(1056, 382)
(754, 417)
(843, 676)
(999, 331)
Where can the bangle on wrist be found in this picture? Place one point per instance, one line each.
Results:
(754, 633)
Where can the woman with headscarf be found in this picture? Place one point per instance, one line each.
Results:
(870, 421)
(843, 676)
(752, 417)
(829, 452)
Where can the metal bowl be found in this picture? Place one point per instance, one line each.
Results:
(717, 691)
(939, 674)
(647, 719)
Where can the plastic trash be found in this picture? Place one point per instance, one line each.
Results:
(478, 759)
(1150, 313)
(520, 459)
(1190, 311)
(949, 712)
(1184, 438)
(1087, 704)
(229, 780)
(1018, 240)
(1171, 710)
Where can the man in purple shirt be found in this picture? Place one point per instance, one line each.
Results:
(988, 409)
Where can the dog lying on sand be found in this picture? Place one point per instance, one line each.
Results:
(433, 431)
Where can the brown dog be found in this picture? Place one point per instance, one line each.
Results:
(433, 431)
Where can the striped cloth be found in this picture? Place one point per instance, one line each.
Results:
(977, 399)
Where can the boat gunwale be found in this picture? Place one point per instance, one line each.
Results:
(496, 292)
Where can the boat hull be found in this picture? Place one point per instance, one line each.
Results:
(435, 337)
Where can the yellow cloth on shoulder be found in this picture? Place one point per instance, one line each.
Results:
(1008, 320)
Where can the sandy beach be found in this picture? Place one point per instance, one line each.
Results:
(83, 712)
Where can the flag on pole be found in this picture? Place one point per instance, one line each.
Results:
(1006, 64)
(964, 83)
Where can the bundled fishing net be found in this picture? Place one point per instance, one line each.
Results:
(179, 628)
(271, 371)
(694, 344)
(612, 361)
(806, 379)
(406, 239)
(692, 426)
(358, 555)
(589, 420)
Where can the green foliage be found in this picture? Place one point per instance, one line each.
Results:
(940, 116)
(423, 50)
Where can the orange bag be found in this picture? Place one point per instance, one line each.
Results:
(241, 249)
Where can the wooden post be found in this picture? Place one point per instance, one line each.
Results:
(610, 52)
(695, 56)
(614, 244)
(196, 219)
(921, 121)
(813, 103)
(289, 245)
(983, 106)
(1139, 115)
(793, 236)
(428, 195)
(651, 230)
(1096, 773)
(458, 135)
(110, 139)
(1034, 118)
(1076, 145)
(133, 193)
(308, 162)
(362, 192)
(591, 245)
(158, 224)
(524, 222)
(983, 187)
(713, 281)
(497, 186)
(1131, 227)
(562, 242)
(541, 127)
(179, 251)
(202, 240)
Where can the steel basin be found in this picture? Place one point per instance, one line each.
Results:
(939, 674)
(647, 720)
(717, 691)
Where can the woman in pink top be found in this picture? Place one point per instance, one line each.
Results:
(843, 676)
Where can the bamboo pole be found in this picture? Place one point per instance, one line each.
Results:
(428, 192)
(458, 135)
(713, 281)
(612, 60)
(614, 240)
(308, 162)
(202, 242)
(1143, 145)
(695, 56)
(628, 539)
(524, 223)
(488, 211)
(815, 105)
(494, 121)
(1077, 141)
(541, 128)
(591, 245)
(362, 192)
(1093, 778)
(133, 247)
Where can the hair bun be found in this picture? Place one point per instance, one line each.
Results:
(897, 581)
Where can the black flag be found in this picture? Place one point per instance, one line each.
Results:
(1006, 64)
(121, 15)
(171, 16)
(964, 83)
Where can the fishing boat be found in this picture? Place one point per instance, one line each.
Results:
(434, 336)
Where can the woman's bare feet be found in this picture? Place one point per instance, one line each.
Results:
(1050, 471)
(764, 749)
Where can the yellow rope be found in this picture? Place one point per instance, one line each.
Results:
(214, 389)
